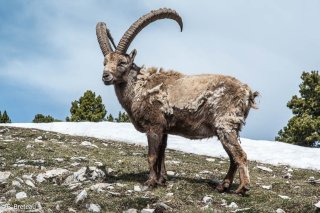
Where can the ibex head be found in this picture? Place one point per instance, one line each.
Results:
(117, 63)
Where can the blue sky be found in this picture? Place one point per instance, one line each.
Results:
(50, 56)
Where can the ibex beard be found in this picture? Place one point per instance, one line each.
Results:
(167, 102)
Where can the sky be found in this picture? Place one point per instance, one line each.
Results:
(49, 55)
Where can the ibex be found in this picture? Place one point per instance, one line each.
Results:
(167, 102)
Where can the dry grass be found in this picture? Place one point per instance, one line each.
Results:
(189, 185)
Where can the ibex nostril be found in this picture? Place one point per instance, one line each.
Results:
(107, 77)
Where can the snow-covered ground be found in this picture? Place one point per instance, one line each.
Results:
(259, 150)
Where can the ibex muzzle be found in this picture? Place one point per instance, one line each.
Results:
(107, 78)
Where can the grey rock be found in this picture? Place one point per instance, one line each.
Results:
(147, 210)
(268, 187)
(287, 176)
(171, 173)
(100, 187)
(4, 176)
(93, 207)
(110, 170)
(58, 207)
(280, 211)
(173, 162)
(52, 174)
(163, 205)
(79, 158)
(207, 200)
(4, 130)
(81, 196)
(16, 183)
(73, 186)
(131, 211)
(232, 205)
(285, 197)
(312, 180)
(242, 210)
(121, 185)
(27, 177)
(205, 172)
(210, 159)
(265, 168)
(83, 174)
(98, 163)
(75, 164)
(38, 139)
(21, 195)
(30, 183)
(59, 159)
(88, 144)
(137, 188)
(39, 207)
(115, 193)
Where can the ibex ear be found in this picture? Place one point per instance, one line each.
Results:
(133, 54)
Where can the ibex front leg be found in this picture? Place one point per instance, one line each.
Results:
(230, 142)
(233, 167)
(155, 139)
(161, 160)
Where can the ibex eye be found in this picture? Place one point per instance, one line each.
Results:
(122, 63)
(121, 69)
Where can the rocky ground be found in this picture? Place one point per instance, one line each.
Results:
(50, 172)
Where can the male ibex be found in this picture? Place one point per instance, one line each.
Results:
(161, 103)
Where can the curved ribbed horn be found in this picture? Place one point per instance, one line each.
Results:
(142, 22)
(102, 31)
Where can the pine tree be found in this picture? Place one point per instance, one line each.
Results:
(304, 127)
(88, 108)
(119, 117)
(39, 118)
(110, 118)
(123, 117)
(5, 118)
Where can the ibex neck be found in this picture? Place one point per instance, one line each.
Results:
(125, 92)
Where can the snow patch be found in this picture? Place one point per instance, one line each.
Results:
(259, 150)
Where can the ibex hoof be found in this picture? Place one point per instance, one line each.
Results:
(162, 181)
(151, 183)
(242, 189)
(222, 187)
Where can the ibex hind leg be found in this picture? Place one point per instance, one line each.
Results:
(238, 159)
